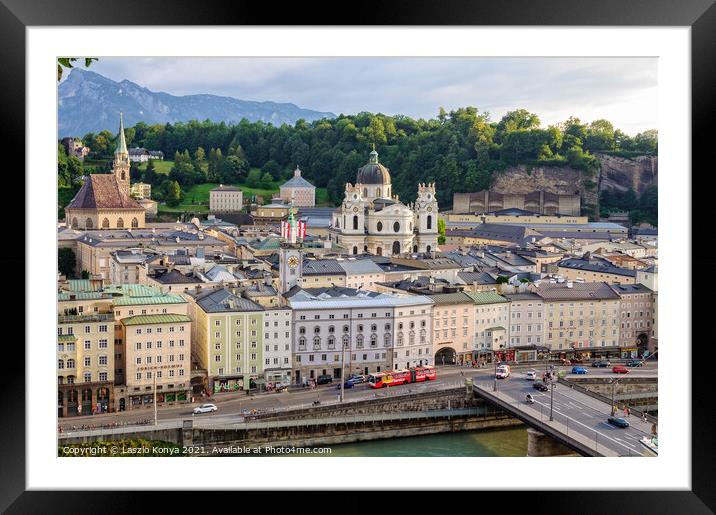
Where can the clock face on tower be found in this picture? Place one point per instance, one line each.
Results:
(293, 262)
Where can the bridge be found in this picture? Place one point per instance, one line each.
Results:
(571, 415)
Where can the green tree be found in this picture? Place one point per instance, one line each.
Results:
(266, 181)
(441, 231)
(253, 180)
(84, 275)
(174, 194)
(501, 279)
(68, 62)
(66, 261)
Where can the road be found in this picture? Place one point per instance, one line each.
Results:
(575, 413)
(232, 404)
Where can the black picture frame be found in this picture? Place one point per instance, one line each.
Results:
(16, 15)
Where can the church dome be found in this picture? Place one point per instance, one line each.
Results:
(373, 172)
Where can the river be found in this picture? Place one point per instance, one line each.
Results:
(497, 442)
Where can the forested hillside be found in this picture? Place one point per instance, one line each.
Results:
(458, 150)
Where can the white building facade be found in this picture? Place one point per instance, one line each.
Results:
(371, 220)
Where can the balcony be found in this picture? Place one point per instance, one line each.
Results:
(91, 317)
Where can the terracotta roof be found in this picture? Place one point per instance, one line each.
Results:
(101, 190)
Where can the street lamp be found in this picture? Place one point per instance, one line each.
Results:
(551, 399)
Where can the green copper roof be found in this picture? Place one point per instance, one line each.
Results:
(121, 143)
(83, 285)
(451, 298)
(156, 319)
(67, 338)
(487, 297)
(81, 295)
(158, 299)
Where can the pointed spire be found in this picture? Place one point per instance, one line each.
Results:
(121, 143)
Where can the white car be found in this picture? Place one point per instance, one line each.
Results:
(205, 408)
(531, 375)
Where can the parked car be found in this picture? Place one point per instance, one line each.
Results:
(541, 386)
(634, 363)
(602, 363)
(620, 370)
(324, 379)
(349, 383)
(205, 408)
(579, 370)
(531, 375)
(618, 421)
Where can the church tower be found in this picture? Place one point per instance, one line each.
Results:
(426, 213)
(120, 165)
(290, 257)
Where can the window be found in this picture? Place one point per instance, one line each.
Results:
(70, 363)
(103, 344)
(61, 363)
(88, 377)
(103, 360)
(88, 361)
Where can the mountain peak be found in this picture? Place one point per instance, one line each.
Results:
(90, 102)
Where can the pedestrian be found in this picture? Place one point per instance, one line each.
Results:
(643, 416)
(628, 412)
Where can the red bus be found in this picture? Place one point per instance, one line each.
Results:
(405, 376)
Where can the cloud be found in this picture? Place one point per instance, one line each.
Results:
(622, 90)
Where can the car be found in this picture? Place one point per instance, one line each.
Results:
(618, 421)
(602, 363)
(502, 372)
(634, 363)
(579, 370)
(541, 386)
(324, 379)
(349, 383)
(531, 375)
(357, 379)
(620, 370)
(204, 408)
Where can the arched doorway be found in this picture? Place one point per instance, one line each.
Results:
(427, 249)
(415, 248)
(379, 251)
(103, 399)
(122, 404)
(396, 248)
(86, 401)
(75, 223)
(446, 356)
(72, 402)
(120, 223)
(642, 343)
(355, 250)
(105, 223)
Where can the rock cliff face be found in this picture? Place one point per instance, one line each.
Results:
(616, 173)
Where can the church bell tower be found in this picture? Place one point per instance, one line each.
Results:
(120, 165)
(290, 256)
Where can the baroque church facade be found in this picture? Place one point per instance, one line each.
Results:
(373, 221)
(103, 201)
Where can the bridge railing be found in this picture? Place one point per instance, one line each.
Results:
(561, 427)
(604, 398)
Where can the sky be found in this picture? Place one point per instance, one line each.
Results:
(622, 90)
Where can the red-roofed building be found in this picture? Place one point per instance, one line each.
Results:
(103, 201)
